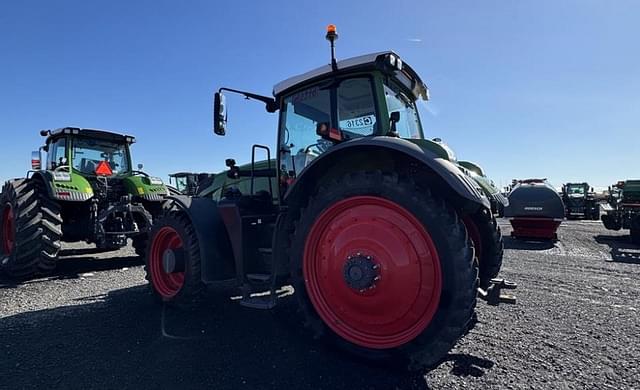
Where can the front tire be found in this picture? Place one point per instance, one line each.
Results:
(174, 232)
(487, 240)
(30, 229)
(384, 269)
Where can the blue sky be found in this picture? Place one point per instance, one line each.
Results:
(542, 88)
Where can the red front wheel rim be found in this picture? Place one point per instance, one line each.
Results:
(400, 297)
(8, 230)
(166, 284)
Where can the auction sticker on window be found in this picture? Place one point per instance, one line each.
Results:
(362, 122)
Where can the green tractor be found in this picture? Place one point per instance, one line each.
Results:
(189, 183)
(87, 191)
(580, 201)
(356, 211)
(622, 210)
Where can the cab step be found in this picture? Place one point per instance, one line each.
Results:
(263, 302)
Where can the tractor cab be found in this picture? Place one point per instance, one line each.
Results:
(372, 95)
(87, 152)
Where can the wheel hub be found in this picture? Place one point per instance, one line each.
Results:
(361, 272)
(173, 260)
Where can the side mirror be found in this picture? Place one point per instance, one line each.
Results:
(36, 164)
(394, 118)
(219, 114)
(140, 166)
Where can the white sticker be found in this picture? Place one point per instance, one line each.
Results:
(362, 122)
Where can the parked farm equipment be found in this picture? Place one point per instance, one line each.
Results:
(355, 210)
(86, 191)
(535, 210)
(622, 210)
(190, 183)
(580, 201)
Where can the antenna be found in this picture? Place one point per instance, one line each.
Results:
(332, 36)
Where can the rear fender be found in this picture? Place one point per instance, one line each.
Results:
(77, 189)
(395, 155)
(215, 249)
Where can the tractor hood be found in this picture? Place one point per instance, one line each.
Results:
(146, 187)
(436, 146)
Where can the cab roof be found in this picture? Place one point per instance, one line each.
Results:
(348, 65)
(91, 133)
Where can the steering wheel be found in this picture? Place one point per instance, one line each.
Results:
(140, 173)
(58, 169)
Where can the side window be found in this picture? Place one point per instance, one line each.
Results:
(409, 125)
(356, 107)
(302, 112)
(56, 156)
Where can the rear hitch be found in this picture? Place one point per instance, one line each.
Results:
(493, 294)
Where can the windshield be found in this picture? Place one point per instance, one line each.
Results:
(576, 190)
(409, 124)
(88, 153)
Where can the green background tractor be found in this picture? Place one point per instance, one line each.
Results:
(86, 190)
(622, 210)
(190, 183)
(358, 213)
(580, 201)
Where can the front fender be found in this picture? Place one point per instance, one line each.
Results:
(213, 241)
(342, 154)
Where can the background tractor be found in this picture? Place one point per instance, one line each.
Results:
(622, 210)
(356, 211)
(580, 201)
(190, 183)
(86, 191)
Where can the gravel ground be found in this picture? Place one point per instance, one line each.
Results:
(94, 325)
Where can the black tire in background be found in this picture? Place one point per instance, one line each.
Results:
(36, 229)
(139, 244)
(454, 311)
(490, 250)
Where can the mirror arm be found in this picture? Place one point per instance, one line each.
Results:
(270, 102)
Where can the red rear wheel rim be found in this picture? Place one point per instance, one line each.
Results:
(166, 284)
(8, 230)
(398, 306)
(474, 234)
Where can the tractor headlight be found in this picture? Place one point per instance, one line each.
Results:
(392, 60)
(156, 181)
(61, 176)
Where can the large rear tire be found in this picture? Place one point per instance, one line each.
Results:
(173, 231)
(30, 229)
(384, 269)
(487, 240)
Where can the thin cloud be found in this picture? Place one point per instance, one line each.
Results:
(414, 40)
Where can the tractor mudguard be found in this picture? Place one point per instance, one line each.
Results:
(211, 232)
(452, 176)
(73, 188)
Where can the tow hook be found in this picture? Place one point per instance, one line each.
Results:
(493, 294)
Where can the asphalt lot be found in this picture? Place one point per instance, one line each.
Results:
(94, 325)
